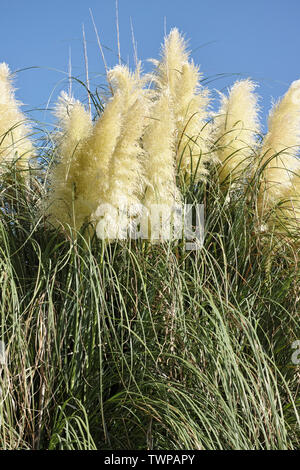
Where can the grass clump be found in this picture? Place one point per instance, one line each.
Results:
(139, 345)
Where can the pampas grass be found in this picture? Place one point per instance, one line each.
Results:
(189, 101)
(125, 176)
(147, 136)
(136, 345)
(64, 204)
(236, 129)
(97, 152)
(15, 145)
(279, 159)
(159, 146)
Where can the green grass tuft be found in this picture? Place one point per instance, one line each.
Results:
(139, 346)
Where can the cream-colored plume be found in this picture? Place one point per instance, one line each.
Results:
(174, 56)
(189, 102)
(236, 129)
(125, 176)
(97, 151)
(289, 210)
(64, 204)
(15, 144)
(279, 157)
(158, 143)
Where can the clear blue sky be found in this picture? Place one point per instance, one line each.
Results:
(256, 38)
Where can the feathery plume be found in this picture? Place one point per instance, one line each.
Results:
(64, 205)
(14, 141)
(193, 130)
(189, 102)
(125, 176)
(289, 211)
(158, 144)
(279, 155)
(98, 149)
(236, 128)
(174, 56)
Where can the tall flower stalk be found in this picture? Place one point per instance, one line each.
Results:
(125, 183)
(64, 204)
(189, 102)
(15, 144)
(279, 159)
(236, 129)
(97, 151)
(158, 143)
